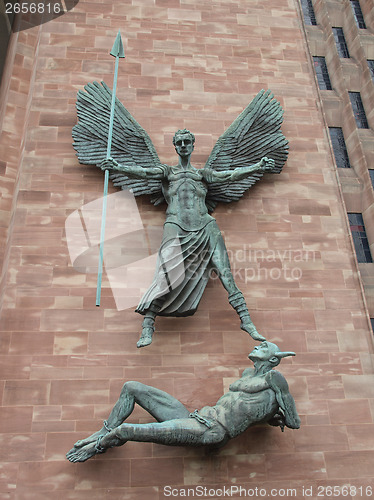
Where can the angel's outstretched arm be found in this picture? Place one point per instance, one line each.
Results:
(134, 171)
(239, 173)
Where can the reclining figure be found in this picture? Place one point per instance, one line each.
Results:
(261, 395)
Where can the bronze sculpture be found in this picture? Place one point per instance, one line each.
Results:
(261, 395)
(192, 244)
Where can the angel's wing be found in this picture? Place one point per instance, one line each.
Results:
(131, 145)
(254, 134)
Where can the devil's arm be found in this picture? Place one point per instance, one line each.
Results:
(284, 398)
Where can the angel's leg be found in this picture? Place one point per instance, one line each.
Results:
(159, 283)
(148, 328)
(148, 325)
(221, 264)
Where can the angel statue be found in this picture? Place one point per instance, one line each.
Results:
(192, 245)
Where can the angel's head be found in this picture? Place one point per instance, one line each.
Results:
(184, 141)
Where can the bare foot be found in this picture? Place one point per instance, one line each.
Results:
(82, 454)
(146, 336)
(91, 439)
(250, 328)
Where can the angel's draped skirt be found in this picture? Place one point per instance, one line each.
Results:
(182, 271)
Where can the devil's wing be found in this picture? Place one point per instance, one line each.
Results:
(255, 133)
(131, 145)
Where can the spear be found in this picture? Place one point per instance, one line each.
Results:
(117, 52)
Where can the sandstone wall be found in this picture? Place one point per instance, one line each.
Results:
(193, 64)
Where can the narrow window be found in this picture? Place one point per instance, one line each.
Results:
(6, 22)
(339, 147)
(371, 173)
(358, 110)
(372, 323)
(357, 12)
(322, 74)
(341, 44)
(359, 238)
(371, 67)
(308, 12)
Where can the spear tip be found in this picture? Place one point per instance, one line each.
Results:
(117, 49)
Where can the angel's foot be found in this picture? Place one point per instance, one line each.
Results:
(84, 453)
(146, 336)
(238, 303)
(250, 328)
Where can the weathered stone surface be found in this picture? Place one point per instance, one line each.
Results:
(251, 45)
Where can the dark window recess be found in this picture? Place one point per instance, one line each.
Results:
(372, 323)
(308, 12)
(371, 173)
(371, 67)
(357, 12)
(339, 147)
(341, 44)
(359, 238)
(6, 21)
(322, 74)
(358, 110)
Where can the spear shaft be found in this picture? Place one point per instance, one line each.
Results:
(118, 52)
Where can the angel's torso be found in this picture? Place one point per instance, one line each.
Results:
(185, 191)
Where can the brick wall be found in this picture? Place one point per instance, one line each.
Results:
(63, 361)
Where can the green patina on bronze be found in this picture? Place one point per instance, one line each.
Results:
(260, 396)
(192, 241)
(119, 53)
